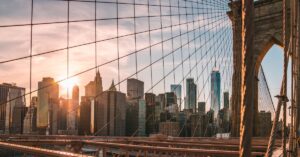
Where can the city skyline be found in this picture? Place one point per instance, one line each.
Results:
(89, 88)
(49, 98)
(52, 37)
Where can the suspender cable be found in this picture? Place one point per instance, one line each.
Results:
(162, 45)
(118, 38)
(150, 43)
(30, 73)
(173, 57)
(282, 99)
(135, 40)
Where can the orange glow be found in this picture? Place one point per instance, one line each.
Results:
(69, 83)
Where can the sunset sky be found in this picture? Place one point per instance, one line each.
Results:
(15, 43)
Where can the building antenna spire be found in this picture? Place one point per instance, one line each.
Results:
(215, 62)
(215, 66)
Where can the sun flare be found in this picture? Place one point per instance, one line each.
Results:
(69, 83)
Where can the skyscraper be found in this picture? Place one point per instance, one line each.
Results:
(191, 94)
(265, 123)
(195, 122)
(226, 100)
(132, 116)
(94, 88)
(110, 113)
(135, 89)
(160, 98)
(201, 108)
(142, 118)
(135, 93)
(171, 102)
(30, 118)
(157, 115)
(182, 123)
(87, 111)
(48, 104)
(170, 98)
(73, 111)
(9, 123)
(215, 92)
(63, 115)
(84, 127)
(150, 113)
(176, 88)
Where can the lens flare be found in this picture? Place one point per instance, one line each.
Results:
(69, 83)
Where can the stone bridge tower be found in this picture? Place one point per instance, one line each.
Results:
(268, 25)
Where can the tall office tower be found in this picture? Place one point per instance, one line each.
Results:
(34, 101)
(176, 88)
(160, 98)
(142, 118)
(225, 116)
(110, 113)
(63, 115)
(226, 100)
(135, 89)
(210, 116)
(170, 99)
(201, 108)
(135, 92)
(195, 124)
(215, 92)
(265, 123)
(84, 126)
(19, 114)
(224, 120)
(182, 119)
(165, 116)
(157, 115)
(198, 125)
(94, 88)
(11, 111)
(171, 102)
(92, 92)
(47, 106)
(73, 111)
(132, 116)
(150, 113)
(150, 99)
(30, 118)
(191, 94)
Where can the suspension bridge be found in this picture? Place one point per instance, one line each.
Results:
(128, 52)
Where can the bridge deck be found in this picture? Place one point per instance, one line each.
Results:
(168, 146)
(38, 151)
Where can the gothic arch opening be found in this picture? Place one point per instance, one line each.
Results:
(269, 71)
(266, 48)
(272, 68)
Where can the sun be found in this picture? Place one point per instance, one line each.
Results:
(69, 83)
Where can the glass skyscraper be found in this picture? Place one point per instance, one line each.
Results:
(215, 92)
(48, 105)
(142, 118)
(176, 88)
(201, 108)
(135, 89)
(191, 94)
(226, 100)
